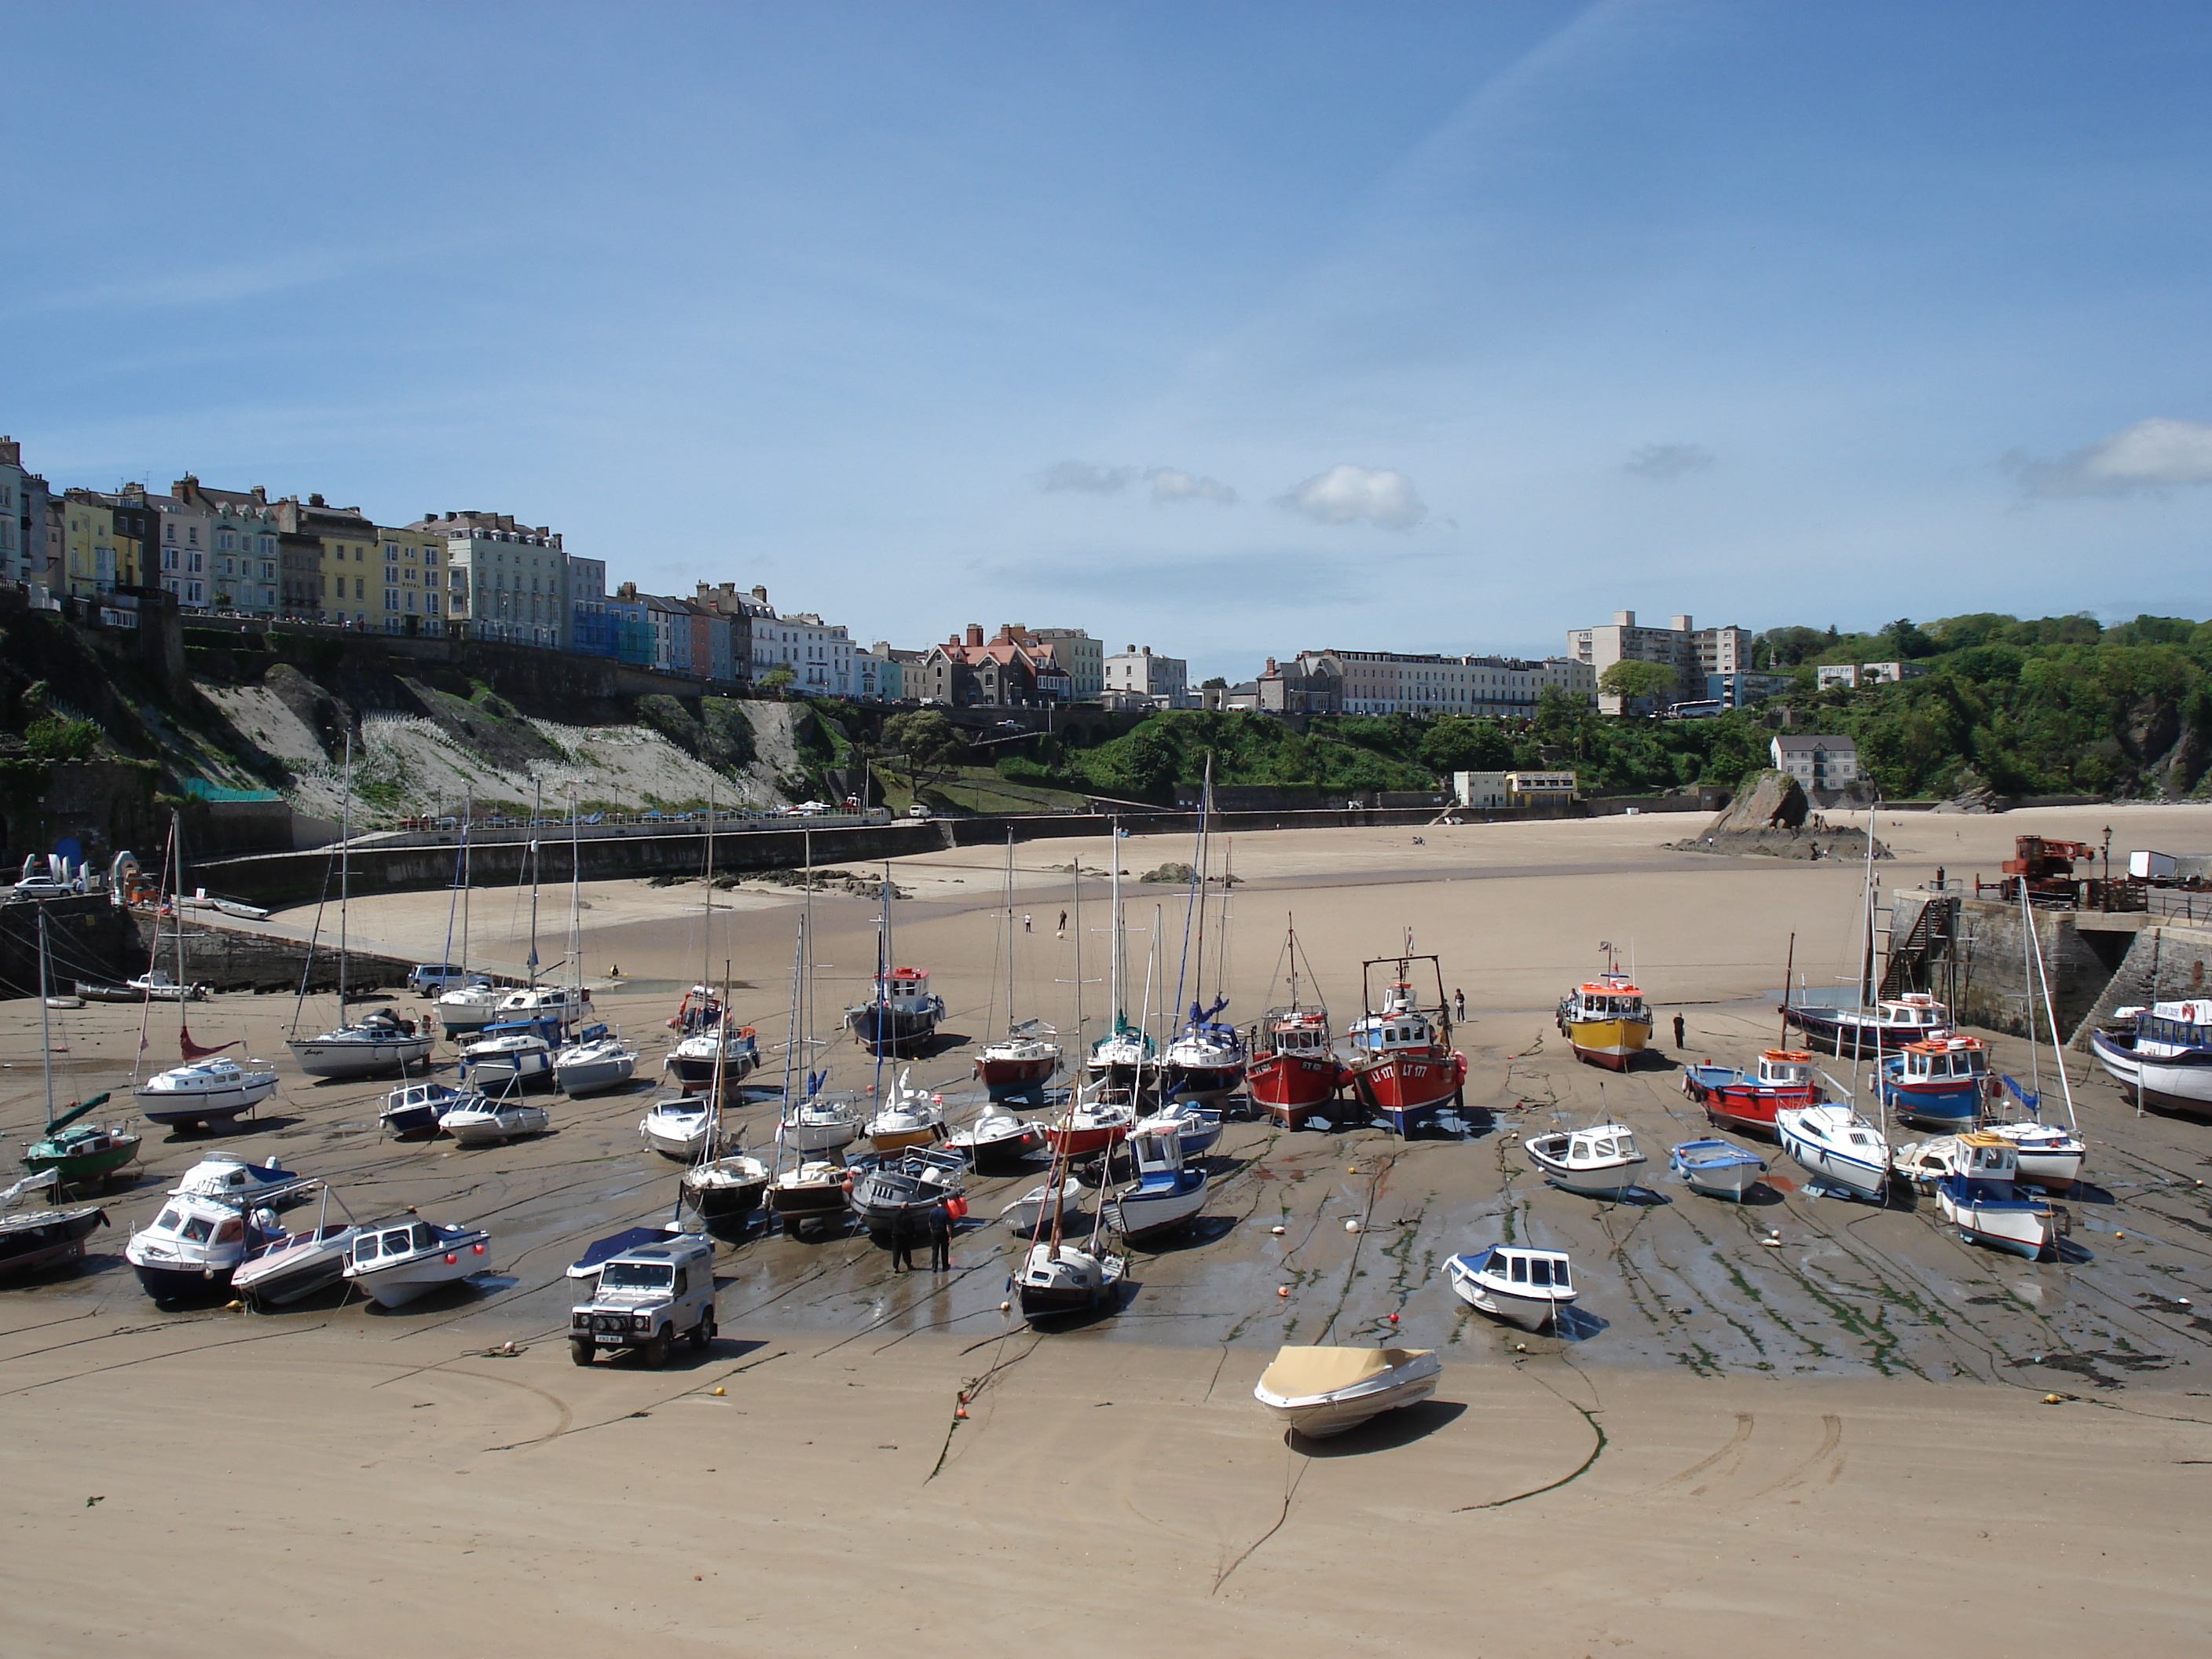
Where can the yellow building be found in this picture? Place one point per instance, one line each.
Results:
(104, 540)
(412, 594)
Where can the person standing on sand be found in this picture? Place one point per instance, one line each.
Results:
(1678, 1031)
(902, 1243)
(940, 1238)
(1025, 922)
(1063, 934)
(1459, 1004)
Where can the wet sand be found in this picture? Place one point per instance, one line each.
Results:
(1804, 1377)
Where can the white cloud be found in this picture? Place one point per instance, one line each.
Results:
(1082, 476)
(2150, 455)
(1345, 493)
(1172, 483)
(1665, 461)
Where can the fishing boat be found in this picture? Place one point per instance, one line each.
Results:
(415, 1109)
(404, 1259)
(508, 1053)
(1599, 1163)
(155, 986)
(904, 1188)
(1320, 1392)
(907, 1117)
(1094, 1120)
(725, 1051)
(725, 1188)
(902, 1016)
(681, 1127)
(1983, 1199)
(1167, 1194)
(997, 1140)
(1748, 1101)
(1884, 1028)
(1837, 1143)
(2160, 1055)
(1398, 1058)
(1606, 1020)
(204, 1091)
(1024, 1060)
(1937, 1082)
(811, 1198)
(1198, 1127)
(1524, 1287)
(33, 1240)
(1718, 1169)
(490, 1121)
(598, 1060)
(1293, 1073)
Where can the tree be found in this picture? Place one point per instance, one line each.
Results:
(1464, 746)
(1633, 681)
(779, 678)
(930, 742)
(56, 738)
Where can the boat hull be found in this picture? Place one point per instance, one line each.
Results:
(1858, 1176)
(1527, 1313)
(31, 1243)
(820, 1202)
(1001, 1153)
(76, 1168)
(1141, 1216)
(2022, 1227)
(1614, 1183)
(182, 1283)
(726, 1200)
(595, 1077)
(1002, 1077)
(1408, 1090)
(181, 1107)
(1292, 1088)
(1192, 1082)
(696, 1072)
(1843, 1036)
(2180, 1083)
(1613, 1043)
(1082, 1143)
(1950, 1109)
(887, 1031)
(1733, 1102)
(411, 1281)
(470, 1130)
(1318, 1417)
(319, 1058)
(297, 1274)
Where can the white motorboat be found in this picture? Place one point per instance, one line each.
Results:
(205, 1092)
(504, 1057)
(1166, 1196)
(2050, 1156)
(566, 1003)
(1058, 1279)
(226, 1175)
(820, 1124)
(485, 1120)
(1095, 1120)
(1034, 1206)
(1718, 1169)
(1319, 1392)
(296, 1265)
(598, 1060)
(158, 986)
(997, 1139)
(399, 1261)
(1924, 1163)
(1199, 1126)
(725, 1188)
(1520, 1286)
(470, 1007)
(2161, 1054)
(1983, 1199)
(1837, 1143)
(377, 1043)
(414, 1108)
(197, 1241)
(682, 1127)
(1599, 1163)
(910, 1117)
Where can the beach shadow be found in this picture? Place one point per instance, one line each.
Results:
(682, 1357)
(2081, 1192)
(1387, 1432)
(1203, 1230)
(444, 1298)
(1760, 1195)
(2073, 1254)
(180, 1133)
(1573, 1324)
(1084, 1318)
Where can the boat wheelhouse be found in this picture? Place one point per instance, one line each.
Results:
(1398, 1060)
(900, 1017)
(1938, 1081)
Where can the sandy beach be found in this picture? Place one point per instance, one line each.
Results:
(1785, 1425)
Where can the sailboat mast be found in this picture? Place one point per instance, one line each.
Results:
(806, 926)
(1010, 930)
(468, 875)
(575, 903)
(345, 868)
(1116, 947)
(46, 1006)
(1076, 880)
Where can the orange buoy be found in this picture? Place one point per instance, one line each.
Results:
(1282, 1290)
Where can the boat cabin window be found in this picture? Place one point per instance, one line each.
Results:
(1625, 1146)
(1559, 1275)
(395, 1244)
(425, 1238)
(197, 1228)
(637, 1276)
(364, 1248)
(1540, 1271)
(1520, 1269)
(230, 1231)
(1579, 1149)
(166, 1222)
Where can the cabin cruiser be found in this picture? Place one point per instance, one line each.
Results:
(485, 1120)
(820, 1124)
(1200, 1126)
(2049, 1156)
(564, 1004)
(1600, 1163)
(378, 1042)
(598, 1060)
(997, 1139)
(905, 1188)
(1836, 1143)
(470, 1007)
(681, 1128)
(198, 1240)
(1982, 1197)
(296, 1265)
(402, 1260)
(1166, 1196)
(2161, 1054)
(415, 1109)
(204, 1091)
(509, 1054)
(226, 1175)
(1318, 1392)
(1520, 1286)
(158, 986)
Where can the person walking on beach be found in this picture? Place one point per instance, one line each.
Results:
(940, 1238)
(1025, 922)
(1678, 1031)
(1063, 934)
(902, 1243)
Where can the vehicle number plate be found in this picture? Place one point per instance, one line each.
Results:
(610, 1341)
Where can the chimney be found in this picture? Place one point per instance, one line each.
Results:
(760, 594)
(1682, 624)
(974, 633)
(315, 501)
(11, 452)
(1271, 665)
(261, 494)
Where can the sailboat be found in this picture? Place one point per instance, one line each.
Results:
(1124, 1058)
(209, 1087)
(2049, 1155)
(379, 1042)
(32, 1239)
(712, 1051)
(1294, 1074)
(472, 1004)
(1055, 1278)
(1023, 1061)
(903, 1014)
(74, 1154)
(598, 1060)
(722, 1186)
(1205, 1060)
(812, 1120)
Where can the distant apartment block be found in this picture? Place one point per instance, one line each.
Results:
(1134, 675)
(505, 581)
(1740, 690)
(1855, 675)
(1692, 652)
(1818, 760)
(1395, 682)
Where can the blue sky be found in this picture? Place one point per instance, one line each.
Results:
(1232, 329)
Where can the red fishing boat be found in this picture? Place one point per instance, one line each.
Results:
(1398, 1058)
(1294, 1074)
(1734, 1100)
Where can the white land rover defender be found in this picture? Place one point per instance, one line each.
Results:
(647, 1298)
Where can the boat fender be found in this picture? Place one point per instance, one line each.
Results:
(1394, 1319)
(1282, 1290)
(451, 1260)
(1278, 1231)
(1351, 1225)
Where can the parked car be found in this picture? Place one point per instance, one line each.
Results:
(432, 977)
(41, 887)
(647, 1297)
(919, 809)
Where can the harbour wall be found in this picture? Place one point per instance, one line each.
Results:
(1986, 978)
(90, 938)
(2163, 963)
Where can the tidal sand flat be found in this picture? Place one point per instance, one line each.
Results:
(1777, 1423)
